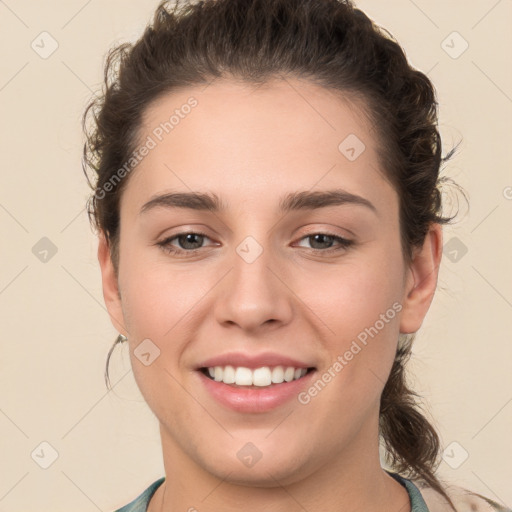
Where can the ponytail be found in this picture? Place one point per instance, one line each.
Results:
(412, 443)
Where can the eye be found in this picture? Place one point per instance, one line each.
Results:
(323, 239)
(189, 242)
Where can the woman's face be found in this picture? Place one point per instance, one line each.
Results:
(269, 277)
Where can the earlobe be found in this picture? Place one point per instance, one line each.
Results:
(421, 280)
(111, 293)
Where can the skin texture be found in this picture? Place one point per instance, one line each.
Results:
(251, 146)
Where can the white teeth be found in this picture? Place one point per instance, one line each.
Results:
(229, 375)
(263, 376)
(289, 373)
(243, 376)
(277, 375)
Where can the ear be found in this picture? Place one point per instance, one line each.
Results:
(421, 280)
(111, 293)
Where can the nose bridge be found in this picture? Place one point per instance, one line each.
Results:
(251, 266)
(252, 294)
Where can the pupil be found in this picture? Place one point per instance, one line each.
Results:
(189, 239)
(322, 237)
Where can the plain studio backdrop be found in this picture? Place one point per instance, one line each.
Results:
(67, 444)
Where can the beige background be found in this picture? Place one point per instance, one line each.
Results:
(55, 332)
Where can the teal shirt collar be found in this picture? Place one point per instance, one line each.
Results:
(140, 503)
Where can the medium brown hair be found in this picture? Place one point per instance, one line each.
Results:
(329, 43)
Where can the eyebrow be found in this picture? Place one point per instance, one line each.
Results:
(294, 201)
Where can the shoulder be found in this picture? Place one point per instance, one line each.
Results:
(140, 503)
(463, 499)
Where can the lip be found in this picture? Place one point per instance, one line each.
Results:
(253, 360)
(252, 399)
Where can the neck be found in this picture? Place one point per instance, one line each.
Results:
(352, 481)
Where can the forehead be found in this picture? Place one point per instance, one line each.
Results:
(247, 143)
(282, 114)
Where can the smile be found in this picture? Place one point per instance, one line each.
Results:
(257, 390)
(259, 377)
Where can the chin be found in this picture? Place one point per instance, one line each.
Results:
(248, 468)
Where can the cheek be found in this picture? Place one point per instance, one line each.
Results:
(156, 297)
(353, 296)
(359, 305)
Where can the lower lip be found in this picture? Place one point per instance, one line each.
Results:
(249, 399)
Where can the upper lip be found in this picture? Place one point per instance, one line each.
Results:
(253, 360)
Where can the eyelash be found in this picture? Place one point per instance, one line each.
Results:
(166, 246)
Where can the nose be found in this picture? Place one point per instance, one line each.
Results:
(254, 295)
